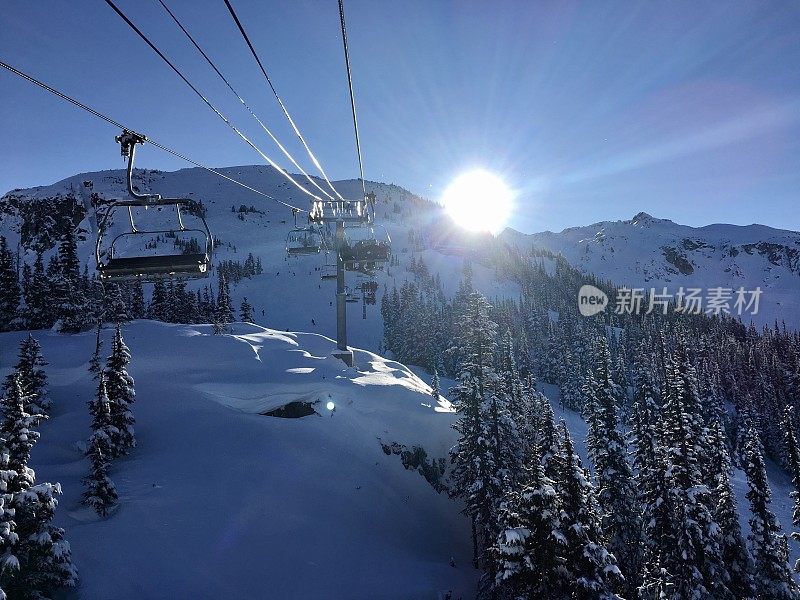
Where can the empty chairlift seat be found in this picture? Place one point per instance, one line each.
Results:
(128, 255)
(187, 265)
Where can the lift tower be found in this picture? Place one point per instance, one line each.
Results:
(337, 213)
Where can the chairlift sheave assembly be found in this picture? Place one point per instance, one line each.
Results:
(114, 264)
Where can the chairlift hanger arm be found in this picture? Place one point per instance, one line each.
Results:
(127, 142)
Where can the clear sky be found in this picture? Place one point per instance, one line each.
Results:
(589, 110)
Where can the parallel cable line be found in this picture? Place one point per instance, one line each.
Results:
(208, 102)
(250, 110)
(352, 96)
(119, 125)
(278, 98)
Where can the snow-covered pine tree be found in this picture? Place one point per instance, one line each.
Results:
(116, 310)
(223, 314)
(509, 376)
(502, 426)
(528, 426)
(474, 474)
(511, 390)
(548, 440)
(593, 571)
(72, 307)
(95, 298)
(695, 561)
(436, 392)
(41, 552)
(44, 554)
(9, 287)
(569, 388)
(159, 303)
(736, 559)
(246, 311)
(192, 311)
(9, 563)
(38, 303)
(95, 362)
(772, 575)
(530, 543)
(104, 433)
(17, 435)
(608, 452)
(745, 417)
(69, 264)
(172, 307)
(32, 377)
(121, 394)
(652, 485)
(138, 310)
(100, 492)
(793, 462)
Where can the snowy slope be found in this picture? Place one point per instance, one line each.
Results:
(290, 292)
(220, 501)
(641, 252)
(649, 253)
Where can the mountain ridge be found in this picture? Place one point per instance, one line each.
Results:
(644, 251)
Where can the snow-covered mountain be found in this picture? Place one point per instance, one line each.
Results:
(646, 252)
(643, 252)
(222, 500)
(290, 294)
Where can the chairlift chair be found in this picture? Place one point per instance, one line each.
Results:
(303, 241)
(328, 271)
(346, 211)
(112, 265)
(366, 249)
(353, 294)
(369, 289)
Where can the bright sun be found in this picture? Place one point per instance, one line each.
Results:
(478, 201)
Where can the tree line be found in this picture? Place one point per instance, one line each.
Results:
(61, 295)
(654, 517)
(35, 556)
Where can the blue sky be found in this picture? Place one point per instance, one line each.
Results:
(589, 110)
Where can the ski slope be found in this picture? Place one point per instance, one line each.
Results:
(220, 501)
(290, 292)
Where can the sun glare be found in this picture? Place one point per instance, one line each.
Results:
(478, 201)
